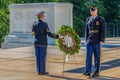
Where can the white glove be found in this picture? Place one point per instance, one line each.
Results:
(60, 36)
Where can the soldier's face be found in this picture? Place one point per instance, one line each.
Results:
(42, 18)
(94, 13)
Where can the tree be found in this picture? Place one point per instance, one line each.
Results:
(113, 10)
(4, 19)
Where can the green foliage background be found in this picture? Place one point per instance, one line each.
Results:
(109, 9)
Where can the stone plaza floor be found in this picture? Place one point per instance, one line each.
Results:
(19, 64)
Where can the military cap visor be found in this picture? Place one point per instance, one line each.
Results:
(93, 9)
(40, 13)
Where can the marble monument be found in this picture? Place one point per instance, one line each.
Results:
(22, 17)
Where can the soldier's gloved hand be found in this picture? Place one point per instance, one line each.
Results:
(101, 42)
(60, 36)
(86, 42)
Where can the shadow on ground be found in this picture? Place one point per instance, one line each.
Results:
(104, 66)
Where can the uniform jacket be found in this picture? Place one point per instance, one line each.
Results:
(95, 29)
(40, 30)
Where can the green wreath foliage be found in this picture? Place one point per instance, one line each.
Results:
(66, 30)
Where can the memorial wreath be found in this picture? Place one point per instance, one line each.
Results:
(70, 43)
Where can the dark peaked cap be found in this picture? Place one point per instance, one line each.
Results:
(40, 13)
(93, 9)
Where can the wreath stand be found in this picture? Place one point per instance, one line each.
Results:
(66, 58)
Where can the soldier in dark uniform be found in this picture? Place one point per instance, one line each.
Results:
(40, 30)
(95, 36)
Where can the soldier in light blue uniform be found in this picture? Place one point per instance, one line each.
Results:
(95, 36)
(40, 30)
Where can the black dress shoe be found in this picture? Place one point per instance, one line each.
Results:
(87, 73)
(96, 74)
(45, 73)
(39, 73)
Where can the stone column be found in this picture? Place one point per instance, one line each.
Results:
(22, 17)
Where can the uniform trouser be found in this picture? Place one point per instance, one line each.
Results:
(40, 53)
(90, 50)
